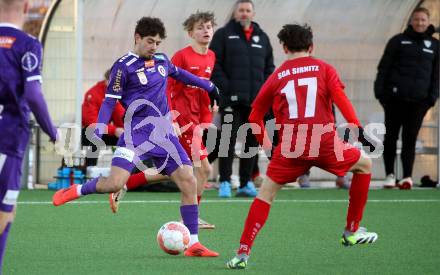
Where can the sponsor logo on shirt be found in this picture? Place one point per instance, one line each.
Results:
(161, 70)
(194, 68)
(149, 63)
(142, 77)
(7, 41)
(405, 42)
(256, 46)
(256, 38)
(427, 43)
(29, 61)
(233, 37)
(117, 84)
(124, 153)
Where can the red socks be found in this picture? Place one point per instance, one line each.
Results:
(358, 198)
(258, 213)
(136, 180)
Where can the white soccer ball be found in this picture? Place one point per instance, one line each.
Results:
(173, 237)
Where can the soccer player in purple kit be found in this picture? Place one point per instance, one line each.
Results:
(138, 80)
(20, 93)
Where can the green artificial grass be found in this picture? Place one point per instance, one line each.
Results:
(301, 235)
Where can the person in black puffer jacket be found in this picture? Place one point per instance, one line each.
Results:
(407, 85)
(244, 60)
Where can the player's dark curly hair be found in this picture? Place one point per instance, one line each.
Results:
(296, 37)
(205, 17)
(150, 26)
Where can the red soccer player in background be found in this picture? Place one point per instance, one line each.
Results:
(301, 92)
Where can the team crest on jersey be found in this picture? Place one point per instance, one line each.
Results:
(142, 77)
(29, 61)
(208, 70)
(161, 70)
(7, 41)
(427, 43)
(256, 38)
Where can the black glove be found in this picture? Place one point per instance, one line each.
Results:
(214, 95)
(361, 139)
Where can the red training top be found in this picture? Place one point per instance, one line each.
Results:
(93, 99)
(192, 103)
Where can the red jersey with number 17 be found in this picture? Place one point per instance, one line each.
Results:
(300, 91)
(191, 102)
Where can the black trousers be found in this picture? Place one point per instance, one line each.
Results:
(213, 155)
(239, 116)
(407, 116)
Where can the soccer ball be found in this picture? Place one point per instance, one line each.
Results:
(173, 237)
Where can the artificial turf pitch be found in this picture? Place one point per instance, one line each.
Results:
(301, 235)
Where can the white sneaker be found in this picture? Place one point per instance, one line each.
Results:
(390, 181)
(362, 236)
(405, 184)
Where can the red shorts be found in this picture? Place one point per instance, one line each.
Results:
(193, 146)
(283, 170)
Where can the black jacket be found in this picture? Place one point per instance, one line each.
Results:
(409, 68)
(241, 66)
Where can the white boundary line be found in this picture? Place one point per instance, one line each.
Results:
(232, 201)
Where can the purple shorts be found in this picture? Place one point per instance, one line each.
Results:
(10, 174)
(167, 154)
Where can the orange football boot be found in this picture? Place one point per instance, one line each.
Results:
(115, 198)
(65, 195)
(198, 250)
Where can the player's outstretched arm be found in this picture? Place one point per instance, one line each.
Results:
(38, 106)
(191, 79)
